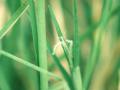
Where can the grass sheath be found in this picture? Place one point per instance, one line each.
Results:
(76, 74)
(41, 30)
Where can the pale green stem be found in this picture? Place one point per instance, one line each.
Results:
(41, 30)
(76, 74)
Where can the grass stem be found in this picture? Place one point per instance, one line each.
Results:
(41, 30)
(76, 74)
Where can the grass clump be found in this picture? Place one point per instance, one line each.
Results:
(75, 70)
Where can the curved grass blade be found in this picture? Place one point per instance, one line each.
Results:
(7, 27)
(26, 63)
(61, 37)
(61, 68)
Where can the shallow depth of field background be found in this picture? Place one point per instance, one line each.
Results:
(19, 42)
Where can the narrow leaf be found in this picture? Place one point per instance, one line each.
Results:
(76, 74)
(61, 37)
(7, 27)
(61, 68)
(42, 43)
(26, 63)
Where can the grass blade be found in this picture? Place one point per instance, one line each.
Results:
(26, 63)
(76, 46)
(41, 30)
(76, 74)
(34, 27)
(61, 68)
(7, 27)
(61, 37)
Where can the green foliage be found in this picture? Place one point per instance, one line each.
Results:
(28, 34)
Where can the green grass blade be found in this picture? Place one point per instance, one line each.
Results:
(55, 22)
(7, 27)
(76, 46)
(76, 74)
(61, 37)
(41, 30)
(34, 26)
(26, 63)
(61, 68)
